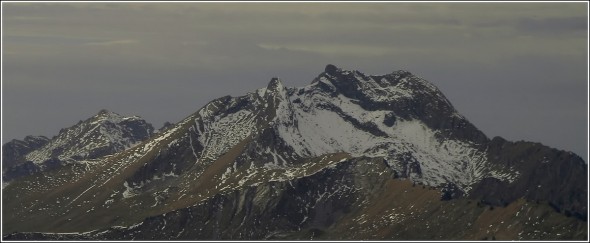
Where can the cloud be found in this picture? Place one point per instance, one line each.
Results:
(357, 50)
(559, 25)
(112, 43)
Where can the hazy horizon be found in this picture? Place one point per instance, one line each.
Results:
(516, 70)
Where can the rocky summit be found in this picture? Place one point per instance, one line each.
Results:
(348, 157)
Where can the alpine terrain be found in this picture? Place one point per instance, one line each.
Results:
(348, 157)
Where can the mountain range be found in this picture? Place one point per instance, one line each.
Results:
(349, 156)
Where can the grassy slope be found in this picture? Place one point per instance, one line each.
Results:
(406, 212)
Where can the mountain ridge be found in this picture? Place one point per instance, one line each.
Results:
(394, 127)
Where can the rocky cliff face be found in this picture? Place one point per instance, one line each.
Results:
(545, 174)
(14, 151)
(385, 155)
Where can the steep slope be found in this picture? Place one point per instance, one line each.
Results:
(104, 134)
(292, 163)
(545, 174)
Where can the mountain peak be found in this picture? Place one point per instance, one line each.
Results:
(331, 69)
(401, 73)
(275, 83)
(106, 115)
(31, 139)
(104, 133)
(104, 112)
(275, 88)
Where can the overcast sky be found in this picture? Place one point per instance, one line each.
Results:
(516, 70)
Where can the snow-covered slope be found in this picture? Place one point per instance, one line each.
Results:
(347, 111)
